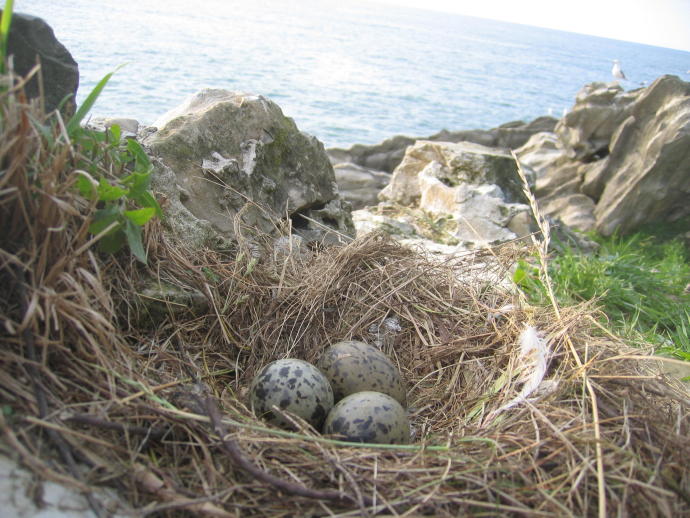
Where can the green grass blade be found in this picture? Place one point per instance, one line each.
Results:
(5, 23)
(74, 123)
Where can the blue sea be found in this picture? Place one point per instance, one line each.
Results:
(347, 71)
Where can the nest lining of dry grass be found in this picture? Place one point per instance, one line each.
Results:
(98, 392)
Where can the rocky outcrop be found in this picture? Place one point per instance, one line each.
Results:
(387, 155)
(231, 162)
(32, 40)
(587, 128)
(452, 164)
(618, 159)
(459, 195)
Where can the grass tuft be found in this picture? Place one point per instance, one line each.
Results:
(638, 280)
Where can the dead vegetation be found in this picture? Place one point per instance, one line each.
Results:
(100, 390)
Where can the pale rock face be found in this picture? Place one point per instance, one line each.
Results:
(223, 155)
(457, 194)
(461, 162)
(128, 127)
(618, 160)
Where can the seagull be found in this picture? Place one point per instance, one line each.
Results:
(616, 70)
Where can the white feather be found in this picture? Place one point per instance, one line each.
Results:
(532, 363)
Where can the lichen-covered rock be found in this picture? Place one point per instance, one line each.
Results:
(31, 38)
(453, 164)
(160, 300)
(225, 155)
(646, 176)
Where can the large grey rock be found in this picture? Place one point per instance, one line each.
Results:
(32, 40)
(510, 135)
(618, 160)
(381, 157)
(229, 161)
(646, 176)
(358, 185)
(455, 194)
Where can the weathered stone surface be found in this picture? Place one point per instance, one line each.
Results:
(586, 130)
(387, 155)
(541, 152)
(381, 157)
(31, 39)
(455, 194)
(458, 163)
(160, 300)
(358, 185)
(618, 159)
(229, 161)
(646, 176)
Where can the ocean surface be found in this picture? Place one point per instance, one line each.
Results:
(347, 72)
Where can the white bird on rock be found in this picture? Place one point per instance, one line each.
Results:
(616, 71)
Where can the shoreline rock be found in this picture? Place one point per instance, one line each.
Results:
(231, 162)
(462, 195)
(387, 155)
(618, 160)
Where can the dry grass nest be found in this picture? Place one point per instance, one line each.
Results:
(100, 389)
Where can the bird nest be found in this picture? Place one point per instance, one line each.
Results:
(134, 377)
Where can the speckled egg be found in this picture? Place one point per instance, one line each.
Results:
(369, 417)
(292, 385)
(353, 366)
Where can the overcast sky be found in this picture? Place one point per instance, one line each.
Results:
(665, 23)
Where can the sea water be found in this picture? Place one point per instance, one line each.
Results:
(347, 71)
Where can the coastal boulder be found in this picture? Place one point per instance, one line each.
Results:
(646, 176)
(32, 40)
(458, 194)
(461, 163)
(618, 159)
(232, 162)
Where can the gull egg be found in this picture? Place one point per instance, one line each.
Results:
(293, 386)
(353, 366)
(370, 417)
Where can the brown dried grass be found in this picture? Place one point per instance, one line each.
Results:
(100, 391)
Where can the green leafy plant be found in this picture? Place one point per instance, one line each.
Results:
(125, 201)
(119, 177)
